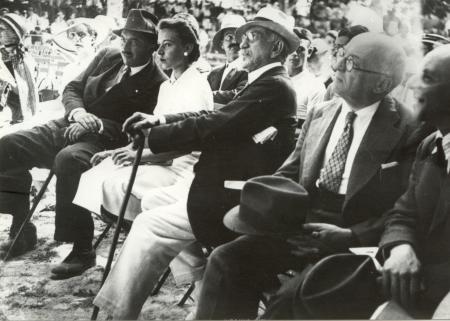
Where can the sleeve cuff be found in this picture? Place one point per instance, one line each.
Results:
(162, 120)
(74, 111)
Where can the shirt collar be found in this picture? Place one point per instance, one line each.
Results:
(362, 112)
(255, 74)
(186, 73)
(135, 70)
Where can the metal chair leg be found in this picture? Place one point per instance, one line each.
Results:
(187, 295)
(102, 236)
(161, 282)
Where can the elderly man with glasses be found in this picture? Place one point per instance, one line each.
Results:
(353, 157)
(250, 136)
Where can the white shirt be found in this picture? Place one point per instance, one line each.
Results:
(445, 147)
(360, 125)
(310, 91)
(190, 92)
(255, 74)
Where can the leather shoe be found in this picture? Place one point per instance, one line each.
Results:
(74, 264)
(26, 242)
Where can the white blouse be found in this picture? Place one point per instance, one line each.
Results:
(190, 92)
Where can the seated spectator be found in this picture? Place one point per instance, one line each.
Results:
(343, 38)
(114, 85)
(236, 144)
(228, 79)
(415, 242)
(340, 159)
(22, 97)
(309, 88)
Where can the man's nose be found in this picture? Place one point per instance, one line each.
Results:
(244, 43)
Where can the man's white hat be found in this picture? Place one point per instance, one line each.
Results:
(277, 21)
(230, 21)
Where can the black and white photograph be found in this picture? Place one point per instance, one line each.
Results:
(224, 159)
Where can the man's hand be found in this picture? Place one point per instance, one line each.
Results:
(123, 156)
(333, 236)
(139, 121)
(89, 121)
(98, 157)
(74, 132)
(305, 246)
(401, 275)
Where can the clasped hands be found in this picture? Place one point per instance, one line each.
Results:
(84, 123)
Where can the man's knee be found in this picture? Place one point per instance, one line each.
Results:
(8, 146)
(68, 161)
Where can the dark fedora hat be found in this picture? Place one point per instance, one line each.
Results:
(340, 286)
(269, 205)
(139, 20)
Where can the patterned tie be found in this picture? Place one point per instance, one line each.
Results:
(331, 174)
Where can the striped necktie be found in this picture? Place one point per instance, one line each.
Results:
(331, 174)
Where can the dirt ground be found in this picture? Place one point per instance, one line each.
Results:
(27, 292)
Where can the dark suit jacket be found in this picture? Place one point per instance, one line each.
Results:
(137, 93)
(232, 84)
(371, 189)
(228, 151)
(421, 217)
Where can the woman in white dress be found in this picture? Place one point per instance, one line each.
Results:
(164, 179)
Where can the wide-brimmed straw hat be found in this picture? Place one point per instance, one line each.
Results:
(230, 21)
(139, 20)
(269, 205)
(16, 23)
(277, 21)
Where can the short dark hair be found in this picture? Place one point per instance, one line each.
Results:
(186, 29)
(352, 31)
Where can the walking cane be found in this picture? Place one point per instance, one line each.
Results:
(140, 141)
(36, 201)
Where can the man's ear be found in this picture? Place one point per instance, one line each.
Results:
(277, 49)
(383, 85)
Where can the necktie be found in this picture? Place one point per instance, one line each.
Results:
(125, 75)
(331, 174)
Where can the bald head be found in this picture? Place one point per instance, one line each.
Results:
(438, 61)
(379, 52)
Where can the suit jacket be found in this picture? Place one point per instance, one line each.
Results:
(232, 84)
(228, 151)
(421, 217)
(137, 93)
(372, 188)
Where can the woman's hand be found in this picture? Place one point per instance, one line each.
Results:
(98, 157)
(123, 156)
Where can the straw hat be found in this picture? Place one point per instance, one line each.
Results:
(229, 22)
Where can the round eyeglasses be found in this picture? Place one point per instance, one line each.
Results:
(349, 64)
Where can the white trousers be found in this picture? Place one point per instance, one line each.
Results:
(156, 238)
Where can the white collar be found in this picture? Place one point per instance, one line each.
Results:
(365, 111)
(185, 73)
(255, 74)
(135, 70)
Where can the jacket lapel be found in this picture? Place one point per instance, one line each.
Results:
(218, 78)
(229, 78)
(279, 70)
(92, 91)
(377, 144)
(316, 142)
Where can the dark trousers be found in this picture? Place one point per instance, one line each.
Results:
(44, 147)
(239, 272)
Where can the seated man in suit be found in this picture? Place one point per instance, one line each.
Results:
(228, 79)
(352, 156)
(113, 86)
(250, 136)
(416, 239)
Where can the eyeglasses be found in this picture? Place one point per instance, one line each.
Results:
(251, 36)
(349, 63)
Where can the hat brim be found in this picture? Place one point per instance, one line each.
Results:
(118, 32)
(289, 36)
(233, 221)
(217, 39)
